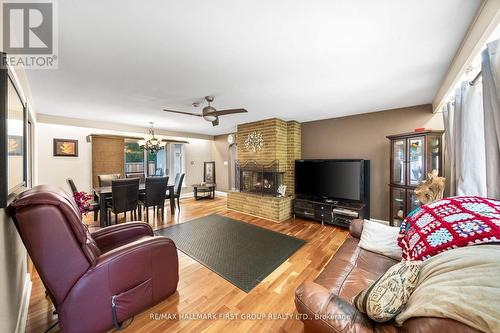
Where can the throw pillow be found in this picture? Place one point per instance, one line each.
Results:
(386, 297)
(381, 239)
(449, 223)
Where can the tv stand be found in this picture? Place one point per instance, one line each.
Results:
(339, 213)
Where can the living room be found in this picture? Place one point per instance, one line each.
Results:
(252, 166)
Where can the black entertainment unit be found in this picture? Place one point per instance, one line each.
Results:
(332, 191)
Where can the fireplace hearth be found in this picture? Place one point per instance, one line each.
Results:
(259, 178)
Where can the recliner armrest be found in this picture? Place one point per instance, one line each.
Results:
(323, 311)
(356, 228)
(108, 236)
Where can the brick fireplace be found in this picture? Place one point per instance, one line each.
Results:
(257, 178)
(260, 172)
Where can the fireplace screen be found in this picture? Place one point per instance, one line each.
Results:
(258, 178)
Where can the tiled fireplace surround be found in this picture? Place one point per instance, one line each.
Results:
(282, 144)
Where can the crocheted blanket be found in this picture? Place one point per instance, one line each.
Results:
(449, 223)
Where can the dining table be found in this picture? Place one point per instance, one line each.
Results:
(105, 192)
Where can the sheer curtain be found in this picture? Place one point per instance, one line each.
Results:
(468, 130)
(472, 125)
(448, 113)
(491, 101)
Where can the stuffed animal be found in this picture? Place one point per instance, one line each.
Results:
(431, 189)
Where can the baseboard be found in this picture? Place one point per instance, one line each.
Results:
(25, 302)
(221, 193)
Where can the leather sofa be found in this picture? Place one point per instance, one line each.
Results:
(85, 273)
(325, 304)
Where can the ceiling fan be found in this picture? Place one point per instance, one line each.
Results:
(209, 113)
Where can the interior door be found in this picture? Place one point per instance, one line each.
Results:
(233, 157)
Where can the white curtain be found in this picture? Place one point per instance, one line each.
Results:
(448, 112)
(491, 100)
(464, 125)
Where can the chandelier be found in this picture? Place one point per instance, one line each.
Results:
(152, 144)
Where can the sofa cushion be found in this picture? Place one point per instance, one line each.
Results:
(380, 238)
(387, 296)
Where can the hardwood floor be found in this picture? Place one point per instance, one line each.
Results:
(201, 291)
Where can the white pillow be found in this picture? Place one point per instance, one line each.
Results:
(381, 239)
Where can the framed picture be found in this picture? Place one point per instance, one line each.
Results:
(13, 143)
(66, 147)
(209, 172)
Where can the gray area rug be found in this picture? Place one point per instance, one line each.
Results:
(242, 253)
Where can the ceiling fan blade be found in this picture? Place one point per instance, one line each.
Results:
(229, 111)
(182, 112)
(215, 122)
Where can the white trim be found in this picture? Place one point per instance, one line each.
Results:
(221, 193)
(22, 316)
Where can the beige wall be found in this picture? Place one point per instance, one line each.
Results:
(364, 136)
(55, 170)
(220, 154)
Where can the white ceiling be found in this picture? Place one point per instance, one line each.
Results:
(123, 61)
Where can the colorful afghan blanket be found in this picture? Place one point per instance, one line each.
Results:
(449, 223)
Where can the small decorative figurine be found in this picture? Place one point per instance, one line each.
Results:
(282, 190)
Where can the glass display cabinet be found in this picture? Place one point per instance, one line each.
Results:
(413, 156)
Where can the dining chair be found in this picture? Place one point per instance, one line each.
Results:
(124, 198)
(139, 175)
(95, 203)
(105, 180)
(179, 178)
(154, 195)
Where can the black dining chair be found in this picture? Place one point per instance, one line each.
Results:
(139, 175)
(95, 203)
(179, 178)
(125, 198)
(105, 180)
(154, 196)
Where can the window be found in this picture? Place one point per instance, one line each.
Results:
(158, 163)
(166, 162)
(134, 158)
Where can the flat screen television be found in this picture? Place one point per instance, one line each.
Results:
(347, 180)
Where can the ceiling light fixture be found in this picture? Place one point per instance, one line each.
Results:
(152, 144)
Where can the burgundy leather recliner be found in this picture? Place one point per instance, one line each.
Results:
(85, 273)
